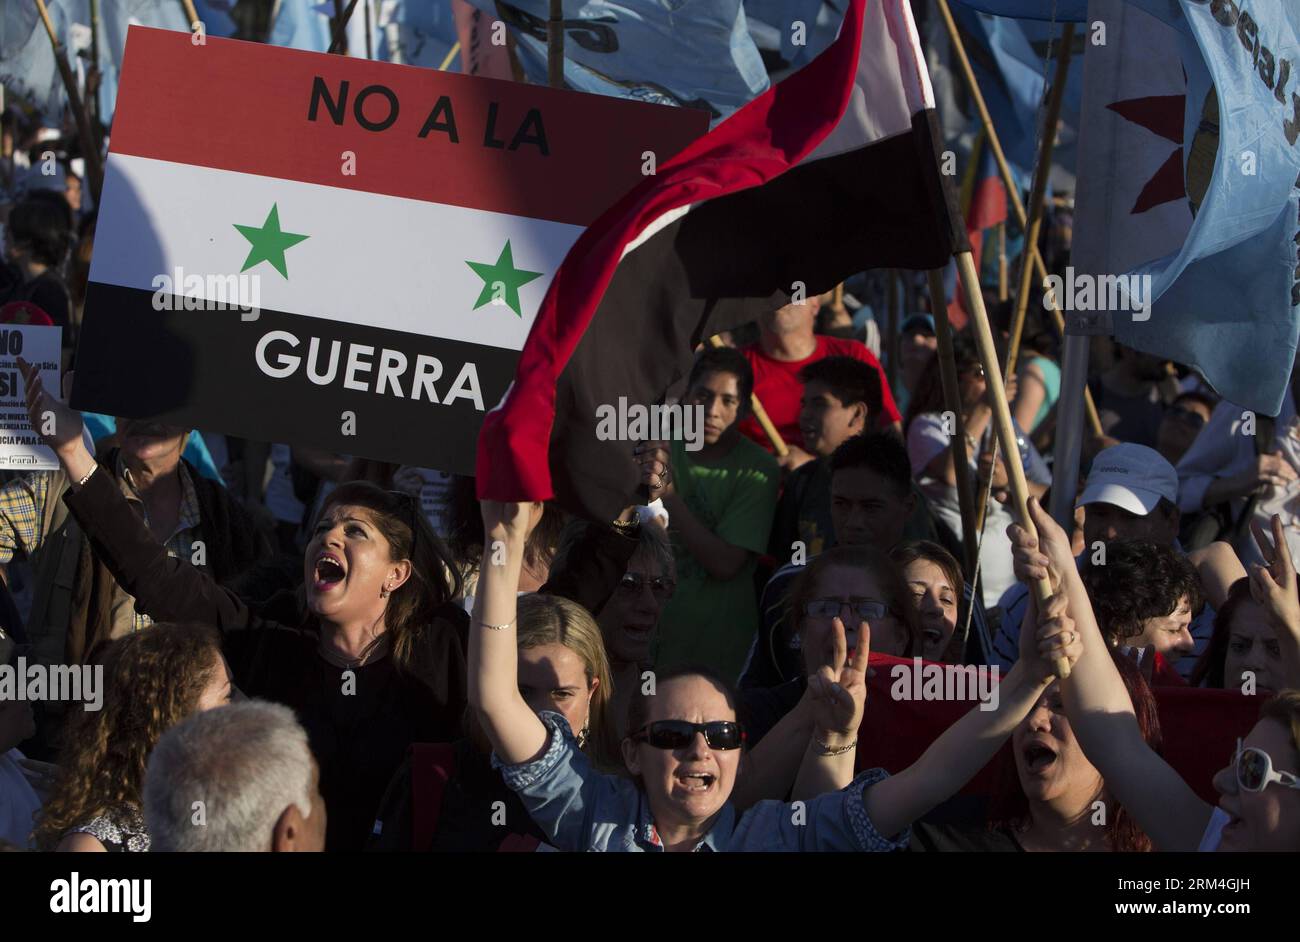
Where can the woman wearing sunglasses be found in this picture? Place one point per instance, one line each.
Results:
(1259, 807)
(684, 747)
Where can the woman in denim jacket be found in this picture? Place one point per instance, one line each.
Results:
(683, 748)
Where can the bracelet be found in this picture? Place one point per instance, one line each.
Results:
(495, 627)
(824, 750)
(93, 469)
(629, 528)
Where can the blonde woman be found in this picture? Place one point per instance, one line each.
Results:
(449, 798)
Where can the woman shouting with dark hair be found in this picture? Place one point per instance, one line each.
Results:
(375, 661)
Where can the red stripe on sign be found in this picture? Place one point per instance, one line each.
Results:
(393, 129)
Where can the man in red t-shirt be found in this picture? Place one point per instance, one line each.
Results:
(785, 346)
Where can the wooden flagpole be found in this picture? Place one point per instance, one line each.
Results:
(1013, 194)
(760, 414)
(1039, 193)
(891, 305)
(952, 399)
(94, 166)
(1002, 261)
(93, 79)
(339, 42)
(1006, 433)
(555, 45)
(891, 344)
(370, 43)
(1037, 197)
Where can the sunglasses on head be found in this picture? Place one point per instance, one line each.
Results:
(1255, 771)
(633, 582)
(678, 734)
(866, 609)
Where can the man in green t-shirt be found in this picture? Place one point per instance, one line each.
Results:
(720, 501)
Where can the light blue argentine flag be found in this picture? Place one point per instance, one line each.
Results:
(1227, 300)
(27, 64)
(696, 53)
(1060, 11)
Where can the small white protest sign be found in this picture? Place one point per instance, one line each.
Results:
(20, 444)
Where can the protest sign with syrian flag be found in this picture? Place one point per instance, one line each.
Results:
(395, 229)
(832, 171)
(1189, 190)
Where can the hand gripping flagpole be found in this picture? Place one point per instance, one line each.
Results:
(1013, 193)
(1006, 433)
(94, 167)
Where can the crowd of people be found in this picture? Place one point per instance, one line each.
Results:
(363, 656)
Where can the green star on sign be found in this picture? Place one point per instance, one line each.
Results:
(502, 277)
(269, 242)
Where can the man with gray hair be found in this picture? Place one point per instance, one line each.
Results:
(237, 778)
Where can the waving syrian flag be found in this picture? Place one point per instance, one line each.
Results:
(832, 171)
(1189, 165)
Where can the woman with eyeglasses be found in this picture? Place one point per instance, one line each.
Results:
(1259, 805)
(629, 619)
(376, 661)
(684, 744)
(857, 584)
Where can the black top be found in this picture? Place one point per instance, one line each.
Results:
(359, 726)
(471, 819)
(48, 293)
(761, 708)
(945, 837)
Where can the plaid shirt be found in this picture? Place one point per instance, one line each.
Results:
(22, 510)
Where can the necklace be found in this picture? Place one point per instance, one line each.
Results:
(376, 649)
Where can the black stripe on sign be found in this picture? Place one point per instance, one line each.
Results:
(200, 369)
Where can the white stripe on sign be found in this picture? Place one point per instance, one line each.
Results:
(383, 261)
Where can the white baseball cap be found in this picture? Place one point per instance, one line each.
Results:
(1133, 477)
